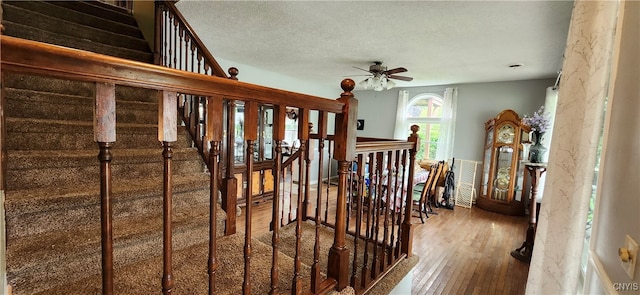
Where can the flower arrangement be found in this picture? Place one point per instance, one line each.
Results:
(539, 122)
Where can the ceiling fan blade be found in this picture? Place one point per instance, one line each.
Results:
(361, 69)
(395, 71)
(403, 78)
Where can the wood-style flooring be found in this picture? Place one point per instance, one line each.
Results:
(462, 251)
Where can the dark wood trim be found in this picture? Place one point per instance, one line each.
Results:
(19, 55)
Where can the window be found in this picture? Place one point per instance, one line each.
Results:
(426, 112)
(435, 114)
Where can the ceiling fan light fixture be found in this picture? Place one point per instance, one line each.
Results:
(377, 83)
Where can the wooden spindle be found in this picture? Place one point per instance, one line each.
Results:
(398, 194)
(233, 73)
(369, 224)
(315, 267)
(104, 129)
(214, 135)
(326, 206)
(179, 50)
(360, 190)
(167, 133)
(387, 207)
(157, 33)
(303, 172)
(279, 117)
(175, 42)
(297, 280)
(250, 135)
(402, 206)
(376, 215)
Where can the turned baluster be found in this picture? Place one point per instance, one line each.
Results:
(315, 267)
(167, 133)
(369, 224)
(359, 195)
(303, 136)
(279, 117)
(401, 210)
(175, 42)
(214, 133)
(250, 135)
(376, 213)
(104, 128)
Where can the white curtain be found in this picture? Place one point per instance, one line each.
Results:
(448, 124)
(402, 130)
(550, 104)
(555, 264)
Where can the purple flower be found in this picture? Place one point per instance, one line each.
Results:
(539, 121)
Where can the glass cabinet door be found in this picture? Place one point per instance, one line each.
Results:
(263, 147)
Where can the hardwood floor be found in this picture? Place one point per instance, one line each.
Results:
(462, 251)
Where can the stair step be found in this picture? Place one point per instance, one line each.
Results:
(38, 210)
(189, 272)
(77, 17)
(77, 253)
(30, 33)
(43, 169)
(51, 85)
(44, 22)
(23, 103)
(105, 11)
(35, 134)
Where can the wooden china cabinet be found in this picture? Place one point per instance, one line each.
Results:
(262, 187)
(502, 170)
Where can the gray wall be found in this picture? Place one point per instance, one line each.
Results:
(477, 103)
(617, 212)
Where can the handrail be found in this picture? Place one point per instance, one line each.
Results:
(191, 41)
(39, 58)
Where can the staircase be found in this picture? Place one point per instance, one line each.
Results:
(52, 191)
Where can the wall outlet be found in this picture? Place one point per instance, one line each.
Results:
(629, 255)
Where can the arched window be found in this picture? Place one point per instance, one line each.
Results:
(425, 110)
(436, 116)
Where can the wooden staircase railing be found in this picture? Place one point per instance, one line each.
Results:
(23, 56)
(178, 46)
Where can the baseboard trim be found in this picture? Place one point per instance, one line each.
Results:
(607, 284)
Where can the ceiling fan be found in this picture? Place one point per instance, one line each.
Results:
(380, 76)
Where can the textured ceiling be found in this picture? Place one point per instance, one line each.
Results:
(439, 42)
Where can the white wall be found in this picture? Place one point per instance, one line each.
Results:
(619, 204)
(477, 103)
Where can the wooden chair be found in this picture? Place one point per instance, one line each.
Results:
(421, 192)
(431, 196)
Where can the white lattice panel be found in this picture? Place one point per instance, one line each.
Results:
(465, 187)
(464, 195)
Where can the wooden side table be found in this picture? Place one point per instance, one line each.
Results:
(524, 252)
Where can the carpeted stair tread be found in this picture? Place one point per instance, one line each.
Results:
(28, 201)
(24, 103)
(190, 272)
(77, 17)
(33, 159)
(86, 170)
(190, 226)
(36, 134)
(27, 32)
(98, 9)
(48, 84)
(54, 25)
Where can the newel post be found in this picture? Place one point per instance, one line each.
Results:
(104, 131)
(167, 133)
(407, 228)
(344, 153)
